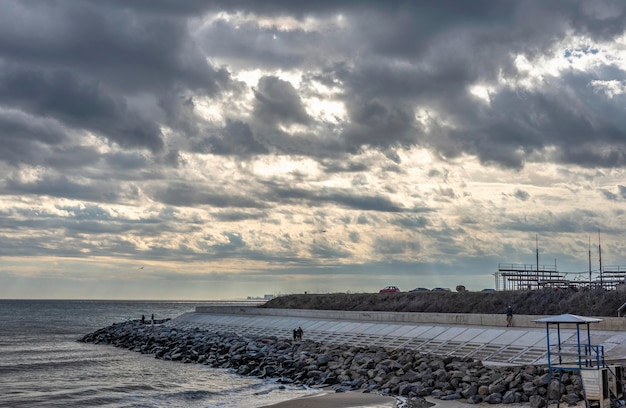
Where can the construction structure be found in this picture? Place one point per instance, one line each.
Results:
(528, 277)
(533, 277)
(536, 276)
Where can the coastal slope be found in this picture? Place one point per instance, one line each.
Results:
(597, 302)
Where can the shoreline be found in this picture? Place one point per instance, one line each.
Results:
(451, 381)
(356, 399)
(330, 399)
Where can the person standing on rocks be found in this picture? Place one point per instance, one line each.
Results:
(300, 332)
(509, 316)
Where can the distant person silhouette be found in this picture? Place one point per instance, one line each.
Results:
(509, 316)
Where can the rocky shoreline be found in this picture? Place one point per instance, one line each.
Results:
(398, 372)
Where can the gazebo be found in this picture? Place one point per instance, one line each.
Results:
(569, 355)
(602, 384)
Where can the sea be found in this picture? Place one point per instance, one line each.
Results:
(43, 365)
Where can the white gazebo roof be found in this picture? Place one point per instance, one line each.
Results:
(568, 318)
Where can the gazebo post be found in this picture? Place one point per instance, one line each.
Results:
(591, 349)
(558, 333)
(548, 337)
(578, 342)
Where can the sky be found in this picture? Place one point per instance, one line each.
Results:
(156, 149)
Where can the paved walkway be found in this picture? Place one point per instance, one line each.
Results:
(497, 346)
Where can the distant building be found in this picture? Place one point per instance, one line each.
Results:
(265, 297)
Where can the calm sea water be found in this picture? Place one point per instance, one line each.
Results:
(42, 364)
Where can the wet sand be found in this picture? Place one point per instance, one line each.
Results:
(350, 399)
(355, 399)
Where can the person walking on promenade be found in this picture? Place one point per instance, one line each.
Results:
(509, 316)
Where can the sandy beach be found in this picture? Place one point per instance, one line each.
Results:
(331, 399)
(355, 399)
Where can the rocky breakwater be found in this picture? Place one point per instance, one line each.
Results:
(394, 372)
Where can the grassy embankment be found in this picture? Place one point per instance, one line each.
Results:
(598, 303)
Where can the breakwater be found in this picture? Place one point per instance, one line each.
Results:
(396, 372)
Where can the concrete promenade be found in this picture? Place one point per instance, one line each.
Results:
(482, 337)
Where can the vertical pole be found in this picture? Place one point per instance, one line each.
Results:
(558, 332)
(600, 259)
(589, 262)
(549, 360)
(537, 256)
(590, 348)
(578, 342)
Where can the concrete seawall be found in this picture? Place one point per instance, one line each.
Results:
(482, 337)
(491, 320)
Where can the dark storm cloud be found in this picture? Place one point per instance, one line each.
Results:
(603, 20)
(370, 203)
(389, 246)
(19, 126)
(521, 195)
(126, 160)
(574, 221)
(65, 187)
(87, 62)
(328, 250)
(446, 12)
(74, 246)
(411, 222)
(65, 158)
(86, 105)
(583, 126)
(277, 101)
(235, 242)
(108, 232)
(269, 47)
(380, 124)
(236, 216)
(188, 195)
(609, 195)
(84, 64)
(27, 139)
(339, 197)
(437, 76)
(236, 138)
(343, 166)
(106, 40)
